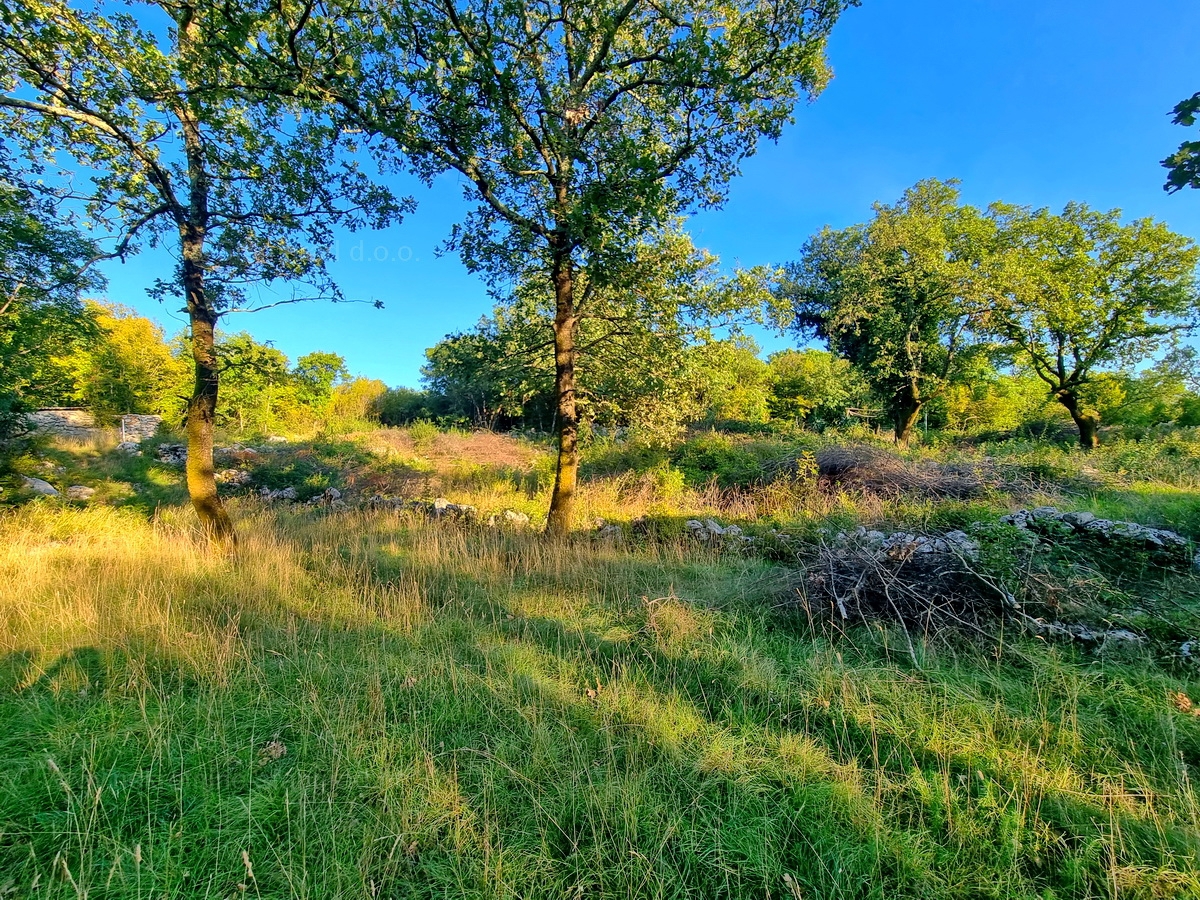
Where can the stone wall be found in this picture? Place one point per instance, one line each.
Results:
(64, 421)
(138, 428)
(80, 423)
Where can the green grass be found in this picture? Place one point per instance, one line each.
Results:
(481, 713)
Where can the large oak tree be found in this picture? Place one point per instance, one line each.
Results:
(1079, 292)
(900, 297)
(576, 128)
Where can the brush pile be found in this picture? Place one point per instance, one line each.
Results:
(924, 582)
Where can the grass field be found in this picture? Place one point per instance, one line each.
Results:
(361, 704)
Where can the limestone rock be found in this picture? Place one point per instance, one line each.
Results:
(38, 486)
(516, 519)
(172, 454)
(1163, 547)
(80, 492)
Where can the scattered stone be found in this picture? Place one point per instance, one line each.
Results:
(1102, 637)
(80, 492)
(276, 439)
(172, 454)
(235, 453)
(130, 447)
(38, 486)
(441, 508)
(330, 498)
(1166, 548)
(610, 531)
(516, 519)
(234, 477)
(710, 531)
(902, 544)
(287, 493)
(379, 501)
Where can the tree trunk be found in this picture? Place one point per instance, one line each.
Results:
(202, 412)
(1086, 420)
(907, 411)
(562, 501)
(202, 407)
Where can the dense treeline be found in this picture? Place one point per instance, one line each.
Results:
(119, 362)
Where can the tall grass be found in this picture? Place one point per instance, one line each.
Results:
(358, 706)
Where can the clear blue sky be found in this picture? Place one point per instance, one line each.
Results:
(1029, 101)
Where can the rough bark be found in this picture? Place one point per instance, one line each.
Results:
(202, 407)
(1086, 420)
(562, 501)
(201, 414)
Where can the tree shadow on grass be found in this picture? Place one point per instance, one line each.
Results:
(481, 747)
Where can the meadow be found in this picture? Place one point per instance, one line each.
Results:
(365, 704)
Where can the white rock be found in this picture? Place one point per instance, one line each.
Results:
(45, 488)
(80, 492)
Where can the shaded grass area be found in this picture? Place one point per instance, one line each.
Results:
(482, 714)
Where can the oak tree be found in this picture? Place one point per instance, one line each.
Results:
(154, 127)
(576, 128)
(1079, 292)
(900, 297)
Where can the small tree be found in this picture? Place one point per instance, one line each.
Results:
(1078, 293)
(900, 297)
(185, 145)
(577, 128)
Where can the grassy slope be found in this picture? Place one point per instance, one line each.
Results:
(479, 714)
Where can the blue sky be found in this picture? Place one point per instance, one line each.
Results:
(1029, 102)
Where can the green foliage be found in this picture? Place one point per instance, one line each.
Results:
(183, 141)
(1079, 293)
(900, 297)
(43, 270)
(128, 368)
(402, 406)
(1184, 164)
(812, 386)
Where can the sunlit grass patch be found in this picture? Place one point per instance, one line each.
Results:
(369, 705)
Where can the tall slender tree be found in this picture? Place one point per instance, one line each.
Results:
(154, 127)
(576, 127)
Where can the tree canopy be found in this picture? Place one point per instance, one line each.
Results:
(179, 141)
(1079, 292)
(901, 297)
(576, 128)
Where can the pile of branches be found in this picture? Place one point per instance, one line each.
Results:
(925, 583)
(875, 471)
